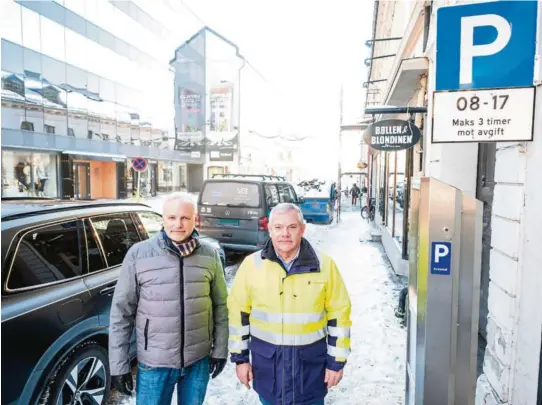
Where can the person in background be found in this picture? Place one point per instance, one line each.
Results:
(355, 192)
(290, 310)
(172, 290)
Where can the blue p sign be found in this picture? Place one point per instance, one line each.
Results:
(486, 45)
(441, 258)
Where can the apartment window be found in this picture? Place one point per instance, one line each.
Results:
(49, 129)
(27, 126)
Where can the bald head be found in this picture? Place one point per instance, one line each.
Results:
(179, 213)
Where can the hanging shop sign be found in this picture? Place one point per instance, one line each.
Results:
(392, 135)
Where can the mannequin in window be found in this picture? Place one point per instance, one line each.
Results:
(40, 176)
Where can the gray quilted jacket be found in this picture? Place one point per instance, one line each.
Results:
(177, 305)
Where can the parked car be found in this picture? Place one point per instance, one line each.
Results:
(60, 264)
(234, 208)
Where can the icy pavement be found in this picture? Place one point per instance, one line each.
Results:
(375, 372)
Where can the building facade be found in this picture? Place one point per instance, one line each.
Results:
(504, 176)
(86, 87)
(207, 103)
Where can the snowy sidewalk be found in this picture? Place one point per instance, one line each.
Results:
(375, 372)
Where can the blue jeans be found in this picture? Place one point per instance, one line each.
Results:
(264, 402)
(155, 385)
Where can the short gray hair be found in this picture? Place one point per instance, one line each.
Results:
(182, 197)
(285, 207)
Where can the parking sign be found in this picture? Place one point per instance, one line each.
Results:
(486, 45)
(485, 72)
(441, 258)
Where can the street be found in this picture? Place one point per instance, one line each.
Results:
(374, 374)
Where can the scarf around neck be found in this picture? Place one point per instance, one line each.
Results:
(188, 247)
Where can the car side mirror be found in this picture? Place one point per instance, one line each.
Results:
(300, 200)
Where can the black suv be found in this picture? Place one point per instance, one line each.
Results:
(60, 264)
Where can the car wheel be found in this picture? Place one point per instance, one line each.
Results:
(83, 378)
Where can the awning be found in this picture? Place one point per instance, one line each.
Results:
(406, 80)
(105, 157)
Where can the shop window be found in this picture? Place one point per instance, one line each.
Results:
(27, 126)
(395, 189)
(49, 129)
(46, 255)
(212, 170)
(117, 233)
(29, 174)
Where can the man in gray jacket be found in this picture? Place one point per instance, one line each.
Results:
(172, 289)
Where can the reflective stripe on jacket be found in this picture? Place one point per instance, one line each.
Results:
(295, 324)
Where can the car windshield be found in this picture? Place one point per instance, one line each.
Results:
(231, 194)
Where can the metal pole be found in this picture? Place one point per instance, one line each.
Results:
(340, 154)
(239, 114)
(394, 193)
(138, 195)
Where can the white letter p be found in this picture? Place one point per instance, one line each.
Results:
(441, 251)
(467, 48)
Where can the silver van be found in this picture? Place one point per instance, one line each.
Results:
(234, 209)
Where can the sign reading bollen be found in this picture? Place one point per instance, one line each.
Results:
(392, 135)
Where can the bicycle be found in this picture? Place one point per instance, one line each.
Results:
(369, 212)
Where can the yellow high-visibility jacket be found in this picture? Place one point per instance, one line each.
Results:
(295, 324)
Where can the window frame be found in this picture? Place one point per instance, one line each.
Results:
(269, 186)
(141, 226)
(29, 124)
(20, 235)
(99, 241)
(290, 191)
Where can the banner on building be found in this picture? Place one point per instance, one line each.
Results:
(222, 138)
(190, 136)
(190, 102)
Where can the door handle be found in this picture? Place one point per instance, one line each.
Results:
(227, 235)
(108, 290)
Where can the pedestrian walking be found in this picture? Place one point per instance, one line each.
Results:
(172, 290)
(290, 309)
(355, 192)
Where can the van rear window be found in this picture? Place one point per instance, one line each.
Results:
(231, 194)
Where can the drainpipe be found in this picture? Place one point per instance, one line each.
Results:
(426, 24)
(239, 116)
(369, 161)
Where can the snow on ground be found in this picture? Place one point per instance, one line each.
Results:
(375, 373)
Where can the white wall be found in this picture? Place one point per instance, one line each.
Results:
(512, 357)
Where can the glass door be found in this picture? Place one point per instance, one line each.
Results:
(82, 181)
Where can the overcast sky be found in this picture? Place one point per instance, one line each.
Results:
(306, 50)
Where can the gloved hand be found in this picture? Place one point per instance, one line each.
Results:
(123, 383)
(216, 366)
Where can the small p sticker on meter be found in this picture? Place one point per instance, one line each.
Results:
(441, 258)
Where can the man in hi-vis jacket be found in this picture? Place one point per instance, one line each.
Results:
(290, 310)
(172, 290)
